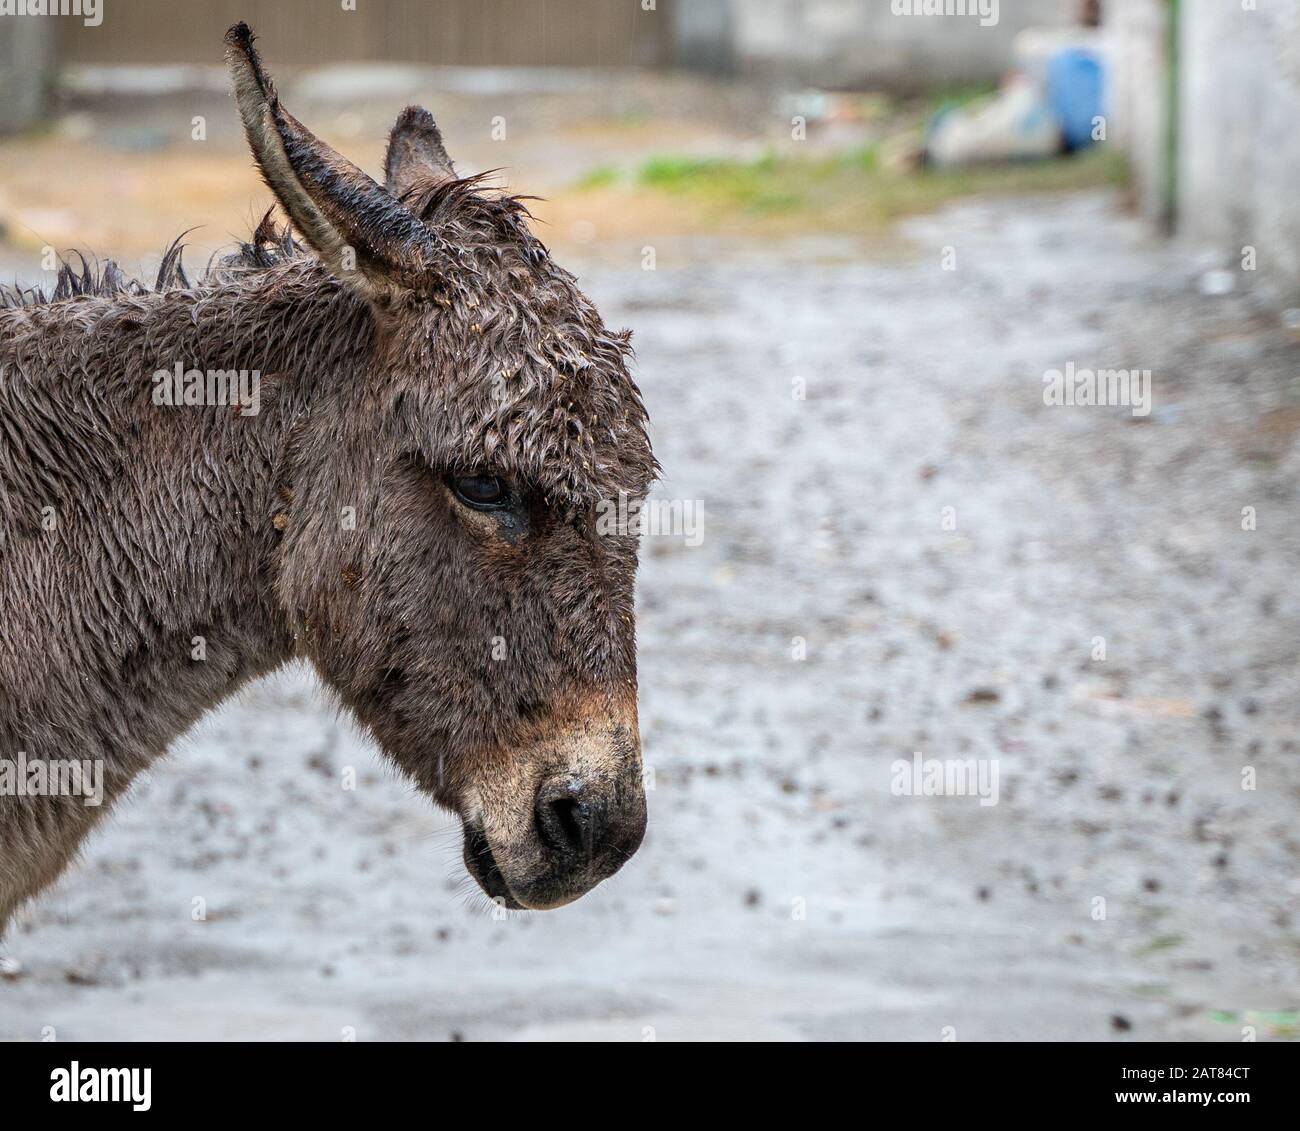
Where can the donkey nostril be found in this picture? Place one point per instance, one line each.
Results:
(565, 823)
(569, 821)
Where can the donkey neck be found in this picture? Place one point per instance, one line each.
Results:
(138, 539)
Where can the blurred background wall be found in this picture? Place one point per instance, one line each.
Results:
(1238, 175)
(1206, 98)
(26, 60)
(832, 43)
(588, 33)
(849, 43)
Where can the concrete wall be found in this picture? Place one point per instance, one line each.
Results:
(860, 43)
(26, 54)
(1138, 100)
(1239, 175)
(492, 33)
(1236, 178)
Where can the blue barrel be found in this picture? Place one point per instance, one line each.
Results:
(1074, 92)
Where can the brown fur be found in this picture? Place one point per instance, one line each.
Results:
(455, 346)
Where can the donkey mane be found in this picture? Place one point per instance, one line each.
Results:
(104, 278)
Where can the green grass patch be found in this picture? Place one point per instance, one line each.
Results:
(602, 176)
(959, 97)
(854, 188)
(760, 185)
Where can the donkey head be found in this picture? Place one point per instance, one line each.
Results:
(442, 561)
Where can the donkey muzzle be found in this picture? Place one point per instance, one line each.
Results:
(547, 845)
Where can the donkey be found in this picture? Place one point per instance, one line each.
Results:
(413, 508)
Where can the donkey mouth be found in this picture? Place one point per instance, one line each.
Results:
(482, 866)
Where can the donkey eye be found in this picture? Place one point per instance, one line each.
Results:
(480, 491)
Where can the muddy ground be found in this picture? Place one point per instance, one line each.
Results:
(783, 890)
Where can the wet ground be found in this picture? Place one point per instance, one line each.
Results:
(835, 619)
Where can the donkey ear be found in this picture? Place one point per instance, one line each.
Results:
(415, 152)
(350, 222)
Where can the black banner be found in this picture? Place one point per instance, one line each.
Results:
(338, 1080)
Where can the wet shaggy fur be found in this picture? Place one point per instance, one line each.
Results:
(422, 333)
